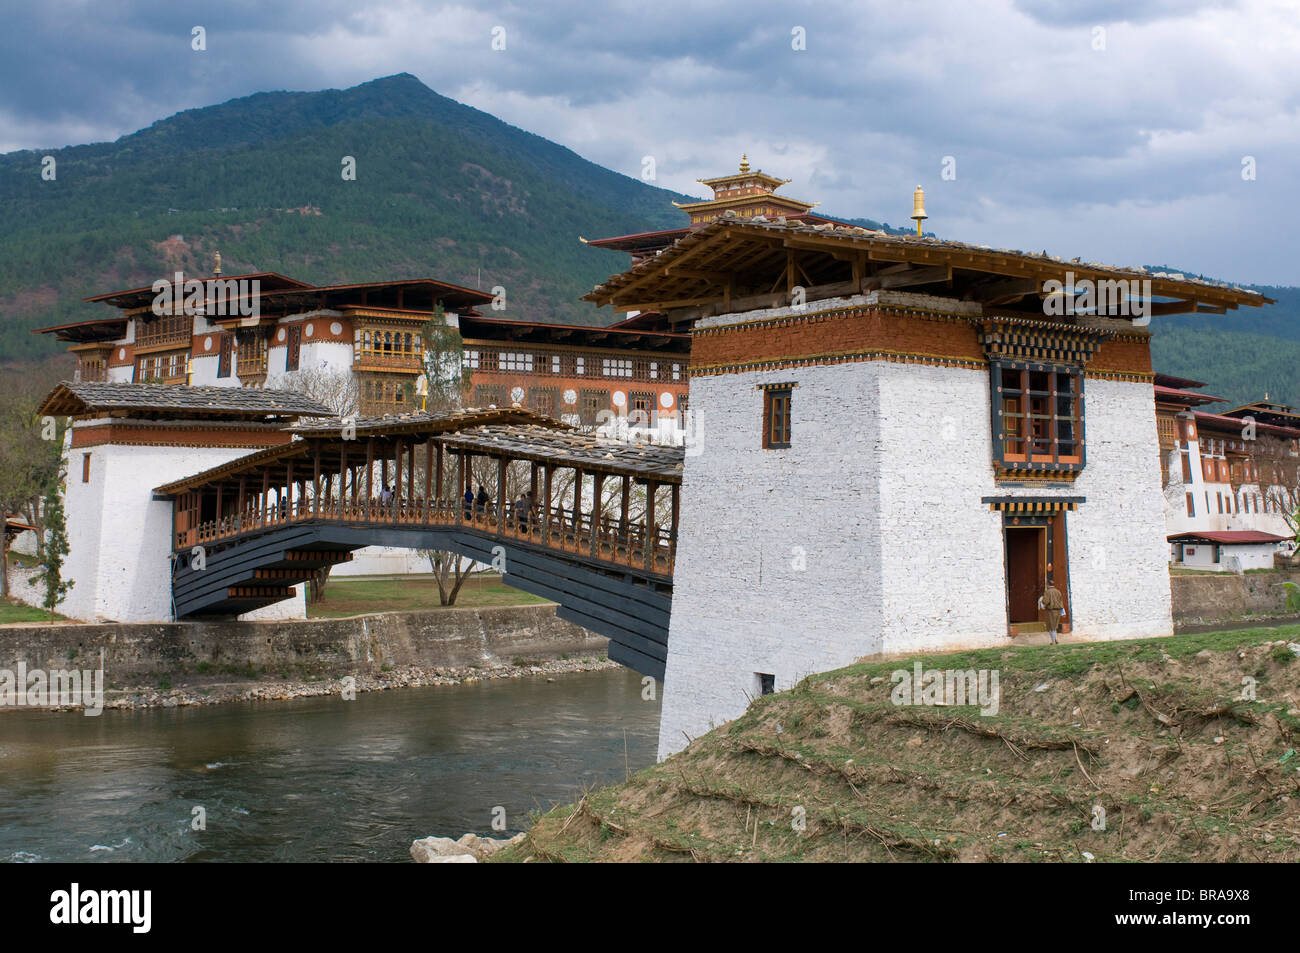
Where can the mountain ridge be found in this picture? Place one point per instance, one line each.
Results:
(442, 190)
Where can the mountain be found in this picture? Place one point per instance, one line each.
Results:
(442, 190)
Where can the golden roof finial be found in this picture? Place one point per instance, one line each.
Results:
(216, 263)
(744, 163)
(918, 208)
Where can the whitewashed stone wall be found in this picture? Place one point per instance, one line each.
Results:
(778, 567)
(1119, 557)
(119, 538)
(881, 495)
(941, 549)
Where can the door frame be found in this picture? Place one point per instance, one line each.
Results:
(1054, 551)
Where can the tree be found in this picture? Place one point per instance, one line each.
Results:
(446, 381)
(30, 450)
(337, 390)
(56, 548)
(1277, 462)
(340, 392)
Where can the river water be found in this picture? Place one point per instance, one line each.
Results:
(314, 779)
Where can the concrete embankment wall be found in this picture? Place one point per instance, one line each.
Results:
(324, 647)
(1227, 595)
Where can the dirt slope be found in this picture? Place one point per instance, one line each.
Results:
(1154, 733)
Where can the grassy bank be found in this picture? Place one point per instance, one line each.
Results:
(1152, 736)
(17, 612)
(357, 595)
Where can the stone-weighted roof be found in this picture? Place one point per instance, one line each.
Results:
(86, 397)
(568, 448)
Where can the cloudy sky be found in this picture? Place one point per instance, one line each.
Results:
(1141, 131)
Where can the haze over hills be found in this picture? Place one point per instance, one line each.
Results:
(442, 190)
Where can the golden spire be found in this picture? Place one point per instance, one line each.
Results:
(216, 263)
(918, 208)
(744, 163)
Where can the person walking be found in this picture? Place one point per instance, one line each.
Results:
(469, 503)
(481, 501)
(1054, 604)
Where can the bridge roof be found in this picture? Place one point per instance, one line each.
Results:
(428, 422)
(572, 448)
(417, 426)
(88, 397)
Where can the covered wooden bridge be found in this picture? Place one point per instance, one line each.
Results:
(587, 522)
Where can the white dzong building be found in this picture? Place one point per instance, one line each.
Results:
(904, 440)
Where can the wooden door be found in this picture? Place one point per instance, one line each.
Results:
(1025, 571)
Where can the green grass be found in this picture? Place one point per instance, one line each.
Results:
(13, 612)
(349, 596)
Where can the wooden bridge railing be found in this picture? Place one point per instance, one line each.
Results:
(604, 538)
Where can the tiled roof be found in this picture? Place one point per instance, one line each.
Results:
(1231, 536)
(655, 280)
(89, 396)
(428, 422)
(573, 449)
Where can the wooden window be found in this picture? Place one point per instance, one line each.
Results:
(776, 418)
(683, 405)
(227, 342)
(294, 336)
(1220, 498)
(488, 396)
(643, 402)
(1038, 414)
(590, 405)
(85, 468)
(544, 400)
(1191, 505)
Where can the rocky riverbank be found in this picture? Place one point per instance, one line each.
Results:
(215, 692)
(469, 849)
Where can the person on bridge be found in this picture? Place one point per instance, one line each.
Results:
(481, 501)
(469, 503)
(385, 495)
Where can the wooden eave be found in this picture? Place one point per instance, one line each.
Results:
(728, 259)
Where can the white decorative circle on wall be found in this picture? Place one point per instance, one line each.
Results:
(121, 354)
(517, 393)
(280, 335)
(570, 396)
(619, 398)
(207, 344)
(336, 328)
(665, 400)
(311, 329)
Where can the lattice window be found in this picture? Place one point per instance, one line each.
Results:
(1038, 415)
(590, 405)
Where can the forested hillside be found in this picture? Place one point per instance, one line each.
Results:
(441, 190)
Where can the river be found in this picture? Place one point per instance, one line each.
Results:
(314, 779)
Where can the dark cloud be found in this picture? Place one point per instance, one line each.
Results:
(1126, 149)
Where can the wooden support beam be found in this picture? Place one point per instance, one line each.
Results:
(315, 478)
(597, 510)
(917, 276)
(650, 488)
(370, 469)
(397, 471)
(501, 492)
(547, 472)
(676, 504)
(410, 471)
